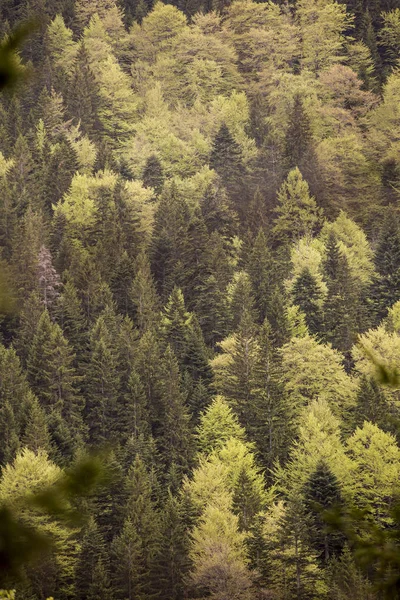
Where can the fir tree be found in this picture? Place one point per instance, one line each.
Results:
(175, 441)
(385, 288)
(322, 492)
(307, 296)
(144, 297)
(101, 385)
(227, 160)
(340, 305)
(153, 175)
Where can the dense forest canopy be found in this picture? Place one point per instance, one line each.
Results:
(200, 243)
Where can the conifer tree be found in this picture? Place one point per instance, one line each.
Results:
(307, 296)
(92, 550)
(141, 528)
(130, 572)
(218, 212)
(234, 371)
(299, 149)
(227, 160)
(321, 493)
(101, 385)
(385, 288)
(176, 323)
(52, 375)
(262, 273)
(371, 404)
(340, 304)
(9, 431)
(172, 560)
(82, 96)
(175, 440)
(69, 315)
(36, 435)
(153, 175)
(144, 297)
(170, 240)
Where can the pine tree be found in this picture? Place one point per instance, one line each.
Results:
(176, 324)
(371, 404)
(218, 212)
(107, 504)
(273, 418)
(130, 573)
(307, 296)
(69, 315)
(36, 435)
(82, 96)
(233, 375)
(9, 431)
(340, 305)
(172, 560)
(142, 523)
(262, 273)
(227, 160)
(321, 493)
(299, 149)
(52, 375)
(132, 411)
(101, 385)
(92, 550)
(153, 174)
(170, 241)
(385, 288)
(241, 300)
(144, 297)
(175, 440)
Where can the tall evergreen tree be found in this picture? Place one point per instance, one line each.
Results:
(340, 307)
(227, 160)
(153, 175)
(101, 385)
(307, 296)
(321, 493)
(385, 288)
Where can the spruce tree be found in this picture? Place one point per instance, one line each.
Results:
(92, 550)
(262, 272)
(170, 241)
(385, 288)
(101, 385)
(227, 160)
(371, 404)
(340, 307)
(172, 560)
(144, 297)
(153, 175)
(52, 375)
(175, 440)
(307, 296)
(321, 493)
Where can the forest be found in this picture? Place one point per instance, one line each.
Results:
(200, 282)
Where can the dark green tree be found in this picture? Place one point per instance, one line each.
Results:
(321, 493)
(385, 287)
(153, 174)
(307, 296)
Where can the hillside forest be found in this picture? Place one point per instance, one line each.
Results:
(200, 264)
